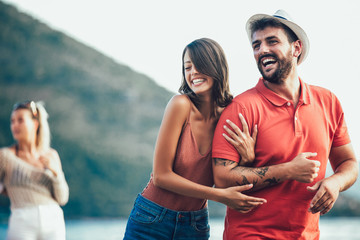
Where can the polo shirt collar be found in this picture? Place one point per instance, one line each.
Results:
(278, 100)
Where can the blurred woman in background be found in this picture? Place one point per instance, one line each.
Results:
(32, 176)
(174, 203)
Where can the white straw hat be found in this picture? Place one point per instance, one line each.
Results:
(284, 18)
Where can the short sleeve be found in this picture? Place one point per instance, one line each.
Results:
(341, 135)
(221, 148)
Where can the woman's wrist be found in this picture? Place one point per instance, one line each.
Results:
(246, 162)
(216, 194)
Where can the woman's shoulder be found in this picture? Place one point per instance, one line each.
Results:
(178, 109)
(7, 154)
(181, 100)
(51, 153)
(6, 150)
(180, 103)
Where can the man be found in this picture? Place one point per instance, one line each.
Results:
(298, 125)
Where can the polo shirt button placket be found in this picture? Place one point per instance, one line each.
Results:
(297, 125)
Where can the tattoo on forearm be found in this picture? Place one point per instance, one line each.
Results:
(245, 181)
(223, 162)
(261, 171)
(255, 182)
(272, 181)
(243, 172)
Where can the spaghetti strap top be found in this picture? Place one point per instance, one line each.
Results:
(190, 164)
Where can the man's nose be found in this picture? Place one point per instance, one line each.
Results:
(264, 48)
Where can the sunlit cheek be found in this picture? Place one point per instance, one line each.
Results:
(26, 126)
(188, 79)
(13, 125)
(32, 127)
(12, 130)
(211, 83)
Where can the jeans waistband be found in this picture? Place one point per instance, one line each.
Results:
(168, 213)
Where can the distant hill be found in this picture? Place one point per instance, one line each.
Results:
(104, 116)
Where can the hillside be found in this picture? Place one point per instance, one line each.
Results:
(104, 116)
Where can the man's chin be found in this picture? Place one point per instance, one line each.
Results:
(271, 78)
(268, 77)
(267, 74)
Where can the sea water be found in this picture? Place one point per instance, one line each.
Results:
(113, 229)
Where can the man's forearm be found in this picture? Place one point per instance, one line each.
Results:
(346, 174)
(345, 165)
(228, 173)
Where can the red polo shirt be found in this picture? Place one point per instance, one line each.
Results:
(315, 125)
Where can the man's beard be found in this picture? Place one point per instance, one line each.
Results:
(283, 70)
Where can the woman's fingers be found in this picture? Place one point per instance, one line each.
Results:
(255, 132)
(235, 128)
(244, 125)
(249, 198)
(237, 131)
(231, 133)
(229, 139)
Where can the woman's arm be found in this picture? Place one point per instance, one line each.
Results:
(229, 173)
(2, 173)
(241, 140)
(52, 162)
(174, 119)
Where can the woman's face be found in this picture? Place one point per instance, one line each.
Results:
(22, 125)
(199, 83)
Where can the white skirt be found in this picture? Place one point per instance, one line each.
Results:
(37, 223)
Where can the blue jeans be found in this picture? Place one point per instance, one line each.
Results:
(149, 221)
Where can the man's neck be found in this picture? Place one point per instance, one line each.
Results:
(288, 89)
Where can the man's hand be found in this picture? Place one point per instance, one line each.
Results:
(327, 192)
(303, 169)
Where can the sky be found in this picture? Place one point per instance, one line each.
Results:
(149, 37)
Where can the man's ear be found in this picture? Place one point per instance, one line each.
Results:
(297, 48)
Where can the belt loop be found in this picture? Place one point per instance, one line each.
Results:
(192, 213)
(162, 215)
